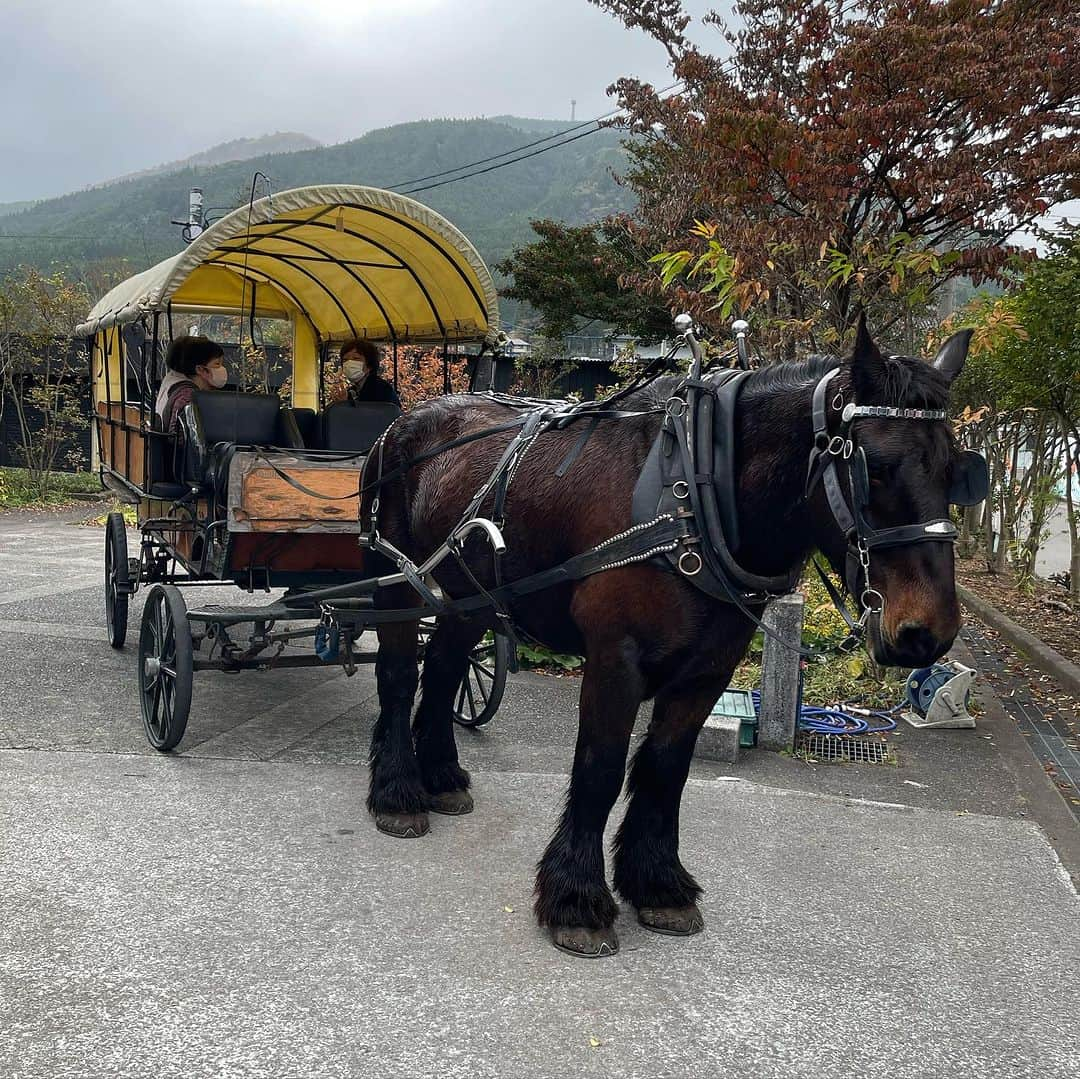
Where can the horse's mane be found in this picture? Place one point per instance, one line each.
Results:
(905, 381)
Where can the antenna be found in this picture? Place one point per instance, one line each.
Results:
(193, 226)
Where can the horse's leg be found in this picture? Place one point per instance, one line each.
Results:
(396, 796)
(648, 872)
(446, 663)
(572, 896)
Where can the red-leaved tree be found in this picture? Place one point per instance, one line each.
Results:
(847, 155)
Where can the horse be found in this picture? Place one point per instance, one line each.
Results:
(645, 631)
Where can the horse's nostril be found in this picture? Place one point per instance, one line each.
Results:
(914, 639)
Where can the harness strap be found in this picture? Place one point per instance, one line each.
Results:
(575, 451)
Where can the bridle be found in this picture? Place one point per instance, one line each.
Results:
(969, 487)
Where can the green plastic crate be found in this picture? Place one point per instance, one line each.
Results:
(739, 704)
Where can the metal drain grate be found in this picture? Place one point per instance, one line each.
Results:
(839, 748)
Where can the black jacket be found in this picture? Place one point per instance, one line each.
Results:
(374, 388)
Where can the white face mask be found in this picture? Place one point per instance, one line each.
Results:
(355, 370)
(217, 376)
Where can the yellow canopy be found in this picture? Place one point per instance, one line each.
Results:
(356, 261)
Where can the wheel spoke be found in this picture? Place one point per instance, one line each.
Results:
(478, 671)
(155, 710)
(167, 689)
(483, 692)
(472, 700)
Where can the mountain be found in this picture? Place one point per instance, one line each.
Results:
(281, 142)
(129, 219)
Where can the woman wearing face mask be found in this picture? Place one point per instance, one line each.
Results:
(195, 363)
(360, 366)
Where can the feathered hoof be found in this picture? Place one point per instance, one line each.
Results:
(452, 803)
(672, 921)
(587, 943)
(403, 825)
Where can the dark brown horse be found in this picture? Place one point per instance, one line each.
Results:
(645, 632)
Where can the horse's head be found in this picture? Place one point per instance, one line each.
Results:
(900, 499)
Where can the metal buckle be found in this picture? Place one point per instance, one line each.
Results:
(684, 493)
(675, 407)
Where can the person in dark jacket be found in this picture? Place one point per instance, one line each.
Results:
(194, 363)
(360, 362)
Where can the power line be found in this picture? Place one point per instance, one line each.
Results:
(593, 126)
(502, 164)
(516, 149)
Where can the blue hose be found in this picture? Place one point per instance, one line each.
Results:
(820, 720)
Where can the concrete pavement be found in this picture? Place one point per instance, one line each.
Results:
(230, 910)
(207, 917)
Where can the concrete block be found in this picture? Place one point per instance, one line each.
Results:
(781, 683)
(719, 740)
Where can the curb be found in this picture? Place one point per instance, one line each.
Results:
(1042, 656)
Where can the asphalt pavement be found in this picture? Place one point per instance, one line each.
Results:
(230, 910)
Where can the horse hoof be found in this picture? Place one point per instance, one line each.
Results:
(452, 803)
(672, 921)
(588, 943)
(402, 825)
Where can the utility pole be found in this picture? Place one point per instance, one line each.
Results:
(573, 108)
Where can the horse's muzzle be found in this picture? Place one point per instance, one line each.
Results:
(913, 646)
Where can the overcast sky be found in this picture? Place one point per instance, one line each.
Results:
(93, 89)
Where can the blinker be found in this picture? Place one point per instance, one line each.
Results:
(971, 480)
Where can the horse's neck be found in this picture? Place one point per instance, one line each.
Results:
(773, 437)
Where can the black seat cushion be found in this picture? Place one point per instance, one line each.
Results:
(246, 419)
(356, 428)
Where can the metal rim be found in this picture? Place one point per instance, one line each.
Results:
(165, 667)
(116, 574)
(481, 690)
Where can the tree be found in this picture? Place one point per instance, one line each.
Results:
(1020, 392)
(576, 274)
(847, 156)
(1044, 366)
(40, 369)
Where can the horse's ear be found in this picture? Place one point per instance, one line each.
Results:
(950, 358)
(867, 365)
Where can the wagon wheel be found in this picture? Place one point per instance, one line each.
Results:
(481, 691)
(117, 579)
(165, 667)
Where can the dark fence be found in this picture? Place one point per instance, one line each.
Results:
(74, 451)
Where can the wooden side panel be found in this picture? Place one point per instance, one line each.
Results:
(122, 441)
(261, 499)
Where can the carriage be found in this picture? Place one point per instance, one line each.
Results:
(260, 489)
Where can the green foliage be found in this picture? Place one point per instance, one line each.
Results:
(574, 274)
(39, 370)
(537, 657)
(839, 677)
(19, 490)
(131, 219)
